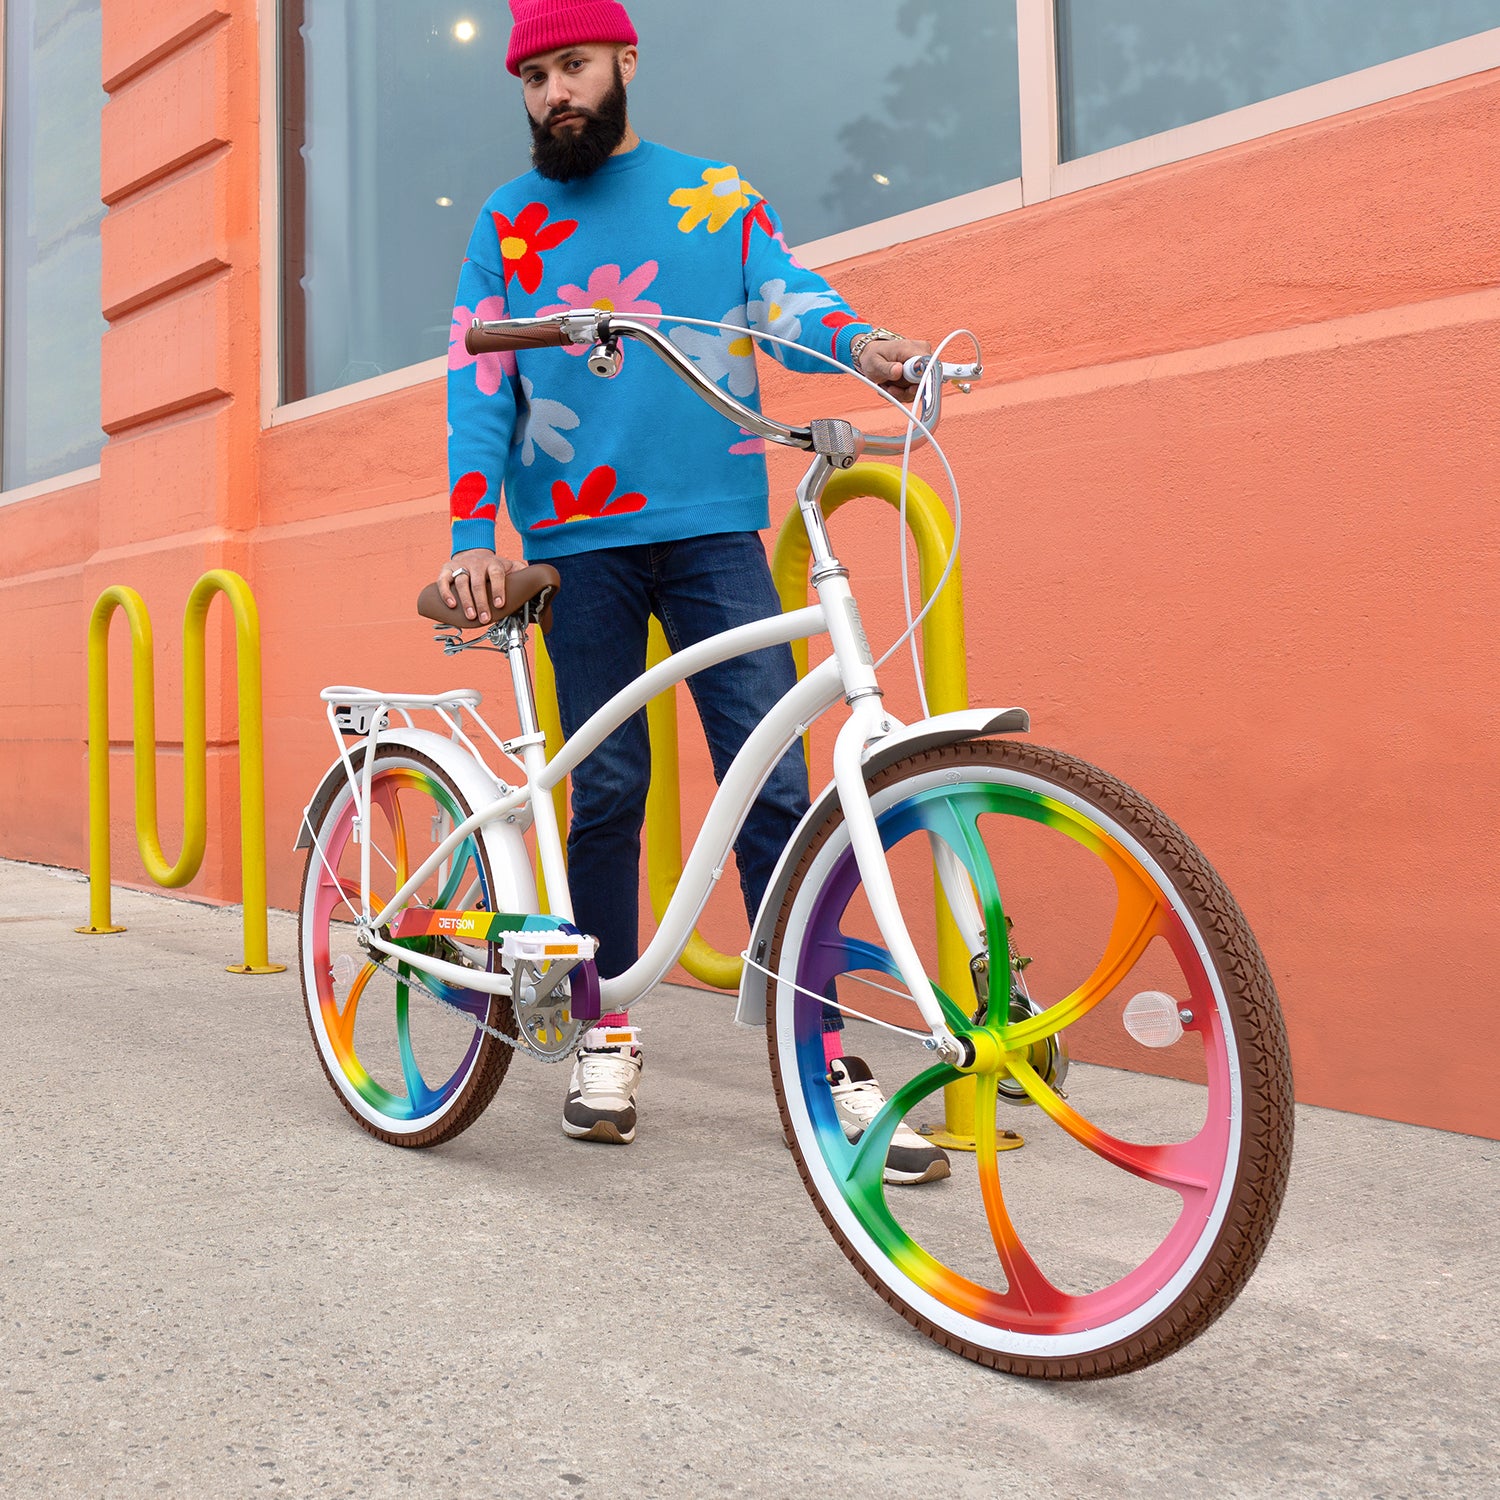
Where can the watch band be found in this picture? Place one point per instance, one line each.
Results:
(874, 336)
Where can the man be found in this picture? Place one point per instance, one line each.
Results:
(643, 498)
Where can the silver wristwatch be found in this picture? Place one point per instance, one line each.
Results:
(874, 336)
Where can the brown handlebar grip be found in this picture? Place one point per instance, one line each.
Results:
(477, 341)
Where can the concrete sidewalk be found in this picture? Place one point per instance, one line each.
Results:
(214, 1284)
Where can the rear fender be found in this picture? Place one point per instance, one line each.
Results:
(943, 729)
(509, 861)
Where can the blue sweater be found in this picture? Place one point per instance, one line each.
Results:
(587, 463)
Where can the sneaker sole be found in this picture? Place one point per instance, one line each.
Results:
(603, 1130)
(935, 1172)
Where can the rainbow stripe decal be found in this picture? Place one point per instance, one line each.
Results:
(1025, 1299)
(476, 926)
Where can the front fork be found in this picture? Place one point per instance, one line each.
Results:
(869, 722)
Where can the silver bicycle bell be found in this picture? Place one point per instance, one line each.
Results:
(604, 360)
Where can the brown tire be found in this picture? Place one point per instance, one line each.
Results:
(406, 787)
(1213, 1162)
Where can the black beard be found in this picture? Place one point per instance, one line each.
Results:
(571, 154)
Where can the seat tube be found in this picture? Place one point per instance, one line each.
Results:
(831, 580)
(532, 743)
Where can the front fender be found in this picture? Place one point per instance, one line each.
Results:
(510, 864)
(928, 734)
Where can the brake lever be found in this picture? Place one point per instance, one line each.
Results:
(963, 376)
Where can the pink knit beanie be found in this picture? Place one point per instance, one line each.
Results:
(545, 25)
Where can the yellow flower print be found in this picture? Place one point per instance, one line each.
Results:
(723, 194)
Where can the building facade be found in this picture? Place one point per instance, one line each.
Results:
(1229, 483)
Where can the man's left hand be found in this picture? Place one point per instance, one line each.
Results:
(882, 361)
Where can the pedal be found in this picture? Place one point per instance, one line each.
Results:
(547, 947)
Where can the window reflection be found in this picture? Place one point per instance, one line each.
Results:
(889, 105)
(1131, 68)
(52, 323)
(400, 120)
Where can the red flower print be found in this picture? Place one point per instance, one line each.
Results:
(759, 217)
(522, 243)
(593, 500)
(753, 217)
(468, 502)
(838, 320)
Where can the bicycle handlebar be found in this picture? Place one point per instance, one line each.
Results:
(592, 327)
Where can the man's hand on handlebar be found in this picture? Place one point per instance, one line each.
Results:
(882, 361)
(475, 581)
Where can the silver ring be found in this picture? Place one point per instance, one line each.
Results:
(459, 573)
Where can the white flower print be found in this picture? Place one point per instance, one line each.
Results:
(543, 426)
(779, 311)
(722, 354)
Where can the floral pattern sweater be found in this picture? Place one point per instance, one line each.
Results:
(586, 463)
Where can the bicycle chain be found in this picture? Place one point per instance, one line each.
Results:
(451, 1007)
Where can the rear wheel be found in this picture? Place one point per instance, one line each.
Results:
(412, 1070)
(1147, 1191)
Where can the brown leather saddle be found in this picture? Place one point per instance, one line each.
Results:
(528, 592)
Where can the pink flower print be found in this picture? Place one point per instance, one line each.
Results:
(752, 444)
(608, 291)
(491, 368)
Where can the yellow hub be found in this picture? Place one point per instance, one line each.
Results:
(989, 1055)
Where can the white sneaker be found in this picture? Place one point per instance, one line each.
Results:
(601, 1096)
(858, 1099)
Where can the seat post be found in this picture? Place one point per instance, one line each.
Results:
(531, 744)
(514, 637)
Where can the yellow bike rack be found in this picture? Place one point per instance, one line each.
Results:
(945, 674)
(946, 677)
(194, 754)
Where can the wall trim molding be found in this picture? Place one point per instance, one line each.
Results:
(40, 487)
(361, 390)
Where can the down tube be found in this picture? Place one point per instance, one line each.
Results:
(759, 756)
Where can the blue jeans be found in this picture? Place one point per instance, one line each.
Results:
(696, 588)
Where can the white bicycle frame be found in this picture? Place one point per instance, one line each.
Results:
(849, 672)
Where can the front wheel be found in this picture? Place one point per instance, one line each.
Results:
(1146, 1192)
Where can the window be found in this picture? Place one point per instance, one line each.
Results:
(880, 107)
(52, 323)
(400, 121)
(1132, 68)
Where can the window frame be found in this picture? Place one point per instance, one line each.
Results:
(1043, 176)
(1305, 106)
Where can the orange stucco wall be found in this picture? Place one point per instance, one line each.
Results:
(1229, 526)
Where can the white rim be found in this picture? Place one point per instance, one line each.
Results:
(347, 1091)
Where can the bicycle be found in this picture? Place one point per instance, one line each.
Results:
(1118, 1237)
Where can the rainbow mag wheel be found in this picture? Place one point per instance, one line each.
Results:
(1134, 1041)
(411, 1070)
